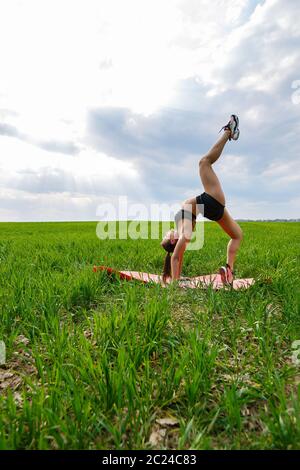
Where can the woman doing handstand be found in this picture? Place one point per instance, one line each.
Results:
(213, 202)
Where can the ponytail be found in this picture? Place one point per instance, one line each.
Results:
(167, 267)
(168, 245)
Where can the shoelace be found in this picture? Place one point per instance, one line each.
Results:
(227, 128)
(232, 272)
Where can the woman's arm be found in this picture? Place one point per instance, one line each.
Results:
(177, 258)
(180, 264)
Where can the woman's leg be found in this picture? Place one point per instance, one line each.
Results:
(213, 187)
(229, 225)
(208, 177)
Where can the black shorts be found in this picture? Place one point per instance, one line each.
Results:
(213, 209)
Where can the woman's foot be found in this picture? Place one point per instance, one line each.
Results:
(226, 274)
(233, 127)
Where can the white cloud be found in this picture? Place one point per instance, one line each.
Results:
(17, 156)
(282, 172)
(233, 166)
(37, 177)
(244, 209)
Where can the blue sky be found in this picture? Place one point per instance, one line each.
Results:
(102, 99)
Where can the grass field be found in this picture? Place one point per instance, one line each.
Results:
(97, 363)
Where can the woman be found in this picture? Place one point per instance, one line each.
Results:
(213, 201)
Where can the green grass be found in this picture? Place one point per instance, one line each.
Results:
(95, 363)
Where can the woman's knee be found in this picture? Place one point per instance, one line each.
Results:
(239, 234)
(235, 232)
(204, 161)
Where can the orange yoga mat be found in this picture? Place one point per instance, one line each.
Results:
(210, 280)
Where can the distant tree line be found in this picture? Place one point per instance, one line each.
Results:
(269, 220)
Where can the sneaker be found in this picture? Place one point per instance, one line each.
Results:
(233, 127)
(226, 274)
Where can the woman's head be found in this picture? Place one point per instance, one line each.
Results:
(168, 243)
